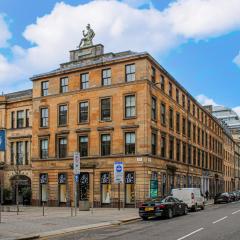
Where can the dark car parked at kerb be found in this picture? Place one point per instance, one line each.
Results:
(162, 207)
(222, 198)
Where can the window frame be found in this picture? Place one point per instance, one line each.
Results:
(110, 145)
(59, 116)
(125, 105)
(127, 147)
(130, 73)
(106, 78)
(87, 144)
(58, 146)
(44, 91)
(79, 111)
(85, 81)
(40, 147)
(108, 119)
(40, 120)
(64, 86)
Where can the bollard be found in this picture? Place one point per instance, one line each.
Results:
(92, 209)
(0, 212)
(71, 211)
(43, 210)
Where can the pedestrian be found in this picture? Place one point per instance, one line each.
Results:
(207, 194)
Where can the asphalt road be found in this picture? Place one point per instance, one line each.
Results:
(217, 222)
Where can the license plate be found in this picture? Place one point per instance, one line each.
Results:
(149, 209)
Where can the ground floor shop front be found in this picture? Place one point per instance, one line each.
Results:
(143, 178)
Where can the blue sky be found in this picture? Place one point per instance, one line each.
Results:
(195, 40)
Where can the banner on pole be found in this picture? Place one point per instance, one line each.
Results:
(2, 140)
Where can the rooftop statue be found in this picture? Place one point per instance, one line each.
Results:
(86, 41)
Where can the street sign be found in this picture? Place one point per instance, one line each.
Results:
(76, 163)
(118, 172)
(2, 140)
(76, 177)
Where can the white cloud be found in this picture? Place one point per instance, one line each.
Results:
(236, 60)
(5, 33)
(119, 27)
(200, 19)
(204, 100)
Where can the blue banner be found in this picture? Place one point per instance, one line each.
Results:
(2, 140)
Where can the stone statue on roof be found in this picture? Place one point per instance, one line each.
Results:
(86, 41)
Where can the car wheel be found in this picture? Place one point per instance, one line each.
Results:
(170, 213)
(185, 211)
(202, 207)
(144, 218)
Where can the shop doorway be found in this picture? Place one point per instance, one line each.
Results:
(21, 189)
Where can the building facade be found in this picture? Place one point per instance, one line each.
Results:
(16, 120)
(237, 166)
(119, 107)
(110, 107)
(229, 162)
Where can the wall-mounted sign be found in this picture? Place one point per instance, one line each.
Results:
(129, 178)
(2, 140)
(43, 178)
(105, 178)
(62, 178)
(153, 188)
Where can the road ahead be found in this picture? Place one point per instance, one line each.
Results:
(218, 222)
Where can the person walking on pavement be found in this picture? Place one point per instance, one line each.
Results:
(207, 194)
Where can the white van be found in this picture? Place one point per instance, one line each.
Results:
(191, 196)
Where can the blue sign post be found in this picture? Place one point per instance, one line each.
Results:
(2, 140)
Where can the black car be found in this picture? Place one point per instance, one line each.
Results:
(222, 198)
(162, 207)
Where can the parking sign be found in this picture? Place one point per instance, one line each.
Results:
(76, 163)
(118, 172)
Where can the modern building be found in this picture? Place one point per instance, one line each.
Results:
(228, 117)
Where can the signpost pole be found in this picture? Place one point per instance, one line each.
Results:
(75, 196)
(118, 178)
(76, 172)
(119, 196)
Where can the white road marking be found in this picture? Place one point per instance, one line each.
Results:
(236, 212)
(200, 229)
(220, 219)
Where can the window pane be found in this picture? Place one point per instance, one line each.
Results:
(83, 112)
(105, 109)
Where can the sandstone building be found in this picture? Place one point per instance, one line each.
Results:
(15, 117)
(111, 107)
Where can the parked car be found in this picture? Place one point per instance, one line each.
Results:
(162, 207)
(237, 195)
(232, 196)
(191, 196)
(222, 198)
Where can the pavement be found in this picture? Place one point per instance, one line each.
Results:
(31, 224)
(216, 222)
